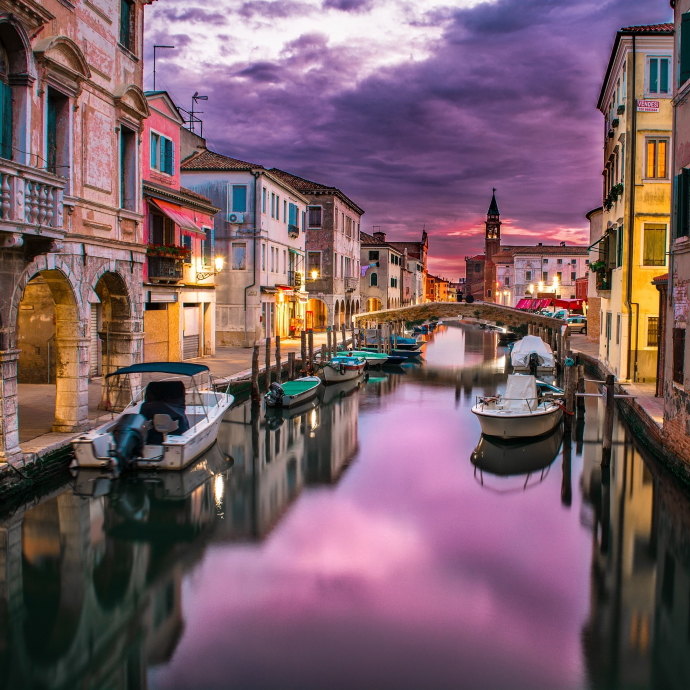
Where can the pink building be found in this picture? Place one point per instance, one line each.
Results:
(179, 287)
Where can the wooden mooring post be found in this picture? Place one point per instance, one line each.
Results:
(311, 352)
(570, 386)
(279, 366)
(268, 363)
(304, 353)
(255, 392)
(329, 346)
(580, 388)
(609, 402)
(323, 355)
(344, 334)
(291, 366)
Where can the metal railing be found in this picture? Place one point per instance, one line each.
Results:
(165, 269)
(293, 231)
(351, 283)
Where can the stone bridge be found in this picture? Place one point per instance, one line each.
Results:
(486, 311)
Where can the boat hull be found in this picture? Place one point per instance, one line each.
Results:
(298, 398)
(346, 373)
(509, 425)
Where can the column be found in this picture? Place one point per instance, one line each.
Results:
(9, 419)
(72, 383)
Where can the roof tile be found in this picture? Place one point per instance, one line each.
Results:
(210, 160)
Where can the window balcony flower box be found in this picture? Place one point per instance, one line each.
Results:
(165, 269)
(621, 109)
(169, 250)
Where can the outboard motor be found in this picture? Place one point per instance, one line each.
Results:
(129, 434)
(533, 363)
(276, 393)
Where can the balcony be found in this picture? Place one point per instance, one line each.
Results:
(295, 279)
(351, 284)
(165, 269)
(293, 231)
(603, 281)
(31, 203)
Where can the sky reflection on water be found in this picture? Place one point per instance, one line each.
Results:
(356, 545)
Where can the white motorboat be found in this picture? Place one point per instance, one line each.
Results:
(531, 352)
(293, 393)
(343, 368)
(166, 427)
(519, 413)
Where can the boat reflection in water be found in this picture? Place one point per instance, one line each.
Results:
(519, 464)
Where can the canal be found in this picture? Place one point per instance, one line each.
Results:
(360, 544)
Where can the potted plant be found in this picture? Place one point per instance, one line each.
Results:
(597, 266)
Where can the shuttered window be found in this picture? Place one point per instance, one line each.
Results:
(168, 157)
(685, 48)
(374, 279)
(5, 106)
(314, 217)
(658, 81)
(126, 23)
(239, 198)
(678, 354)
(654, 253)
(657, 159)
(653, 331)
(683, 196)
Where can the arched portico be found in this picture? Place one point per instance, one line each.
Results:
(317, 314)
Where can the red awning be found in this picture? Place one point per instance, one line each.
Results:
(173, 212)
(569, 303)
(523, 304)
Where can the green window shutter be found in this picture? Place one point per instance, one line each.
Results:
(5, 121)
(685, 48)
(154, 151)
(665, 86)
(125, 23)
(168, 167)
(683, 194)
(654, 75)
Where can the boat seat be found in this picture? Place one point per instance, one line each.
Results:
(164, 397)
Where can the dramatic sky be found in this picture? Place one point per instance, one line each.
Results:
(413, 108)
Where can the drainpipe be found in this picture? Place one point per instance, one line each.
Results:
(631, 229)
(257, 219)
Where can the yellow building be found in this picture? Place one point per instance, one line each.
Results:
(635, 100)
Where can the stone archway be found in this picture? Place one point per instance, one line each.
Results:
(319, 313)
(374, 304)
(50, 331)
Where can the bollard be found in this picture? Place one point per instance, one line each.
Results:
(609, 403)
(344, 333)
(323, 355)
(268, 363)
(329, 347)
(303, 363)
(570, 385)
(378, 338)
(279, 368)
(581, 388)
(291, 366)
(255, 393)
(311, 352)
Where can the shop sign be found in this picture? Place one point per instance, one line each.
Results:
(648, 106)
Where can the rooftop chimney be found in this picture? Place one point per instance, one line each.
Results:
(562, 244)
(380, 236)
(539, 244)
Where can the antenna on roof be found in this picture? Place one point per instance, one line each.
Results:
(155, 48)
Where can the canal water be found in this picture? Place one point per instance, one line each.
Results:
(362, 543)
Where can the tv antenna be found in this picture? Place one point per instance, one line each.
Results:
(155, 48)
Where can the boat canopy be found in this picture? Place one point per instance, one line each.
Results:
(531, 343)
(180, 368)
(521, 393)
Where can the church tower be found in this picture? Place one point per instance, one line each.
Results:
(492, 239)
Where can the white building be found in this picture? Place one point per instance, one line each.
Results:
(260, 231)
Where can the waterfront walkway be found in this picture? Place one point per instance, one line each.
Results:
(37, 401)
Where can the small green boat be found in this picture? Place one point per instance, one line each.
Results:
(374, 359)
(292, 392)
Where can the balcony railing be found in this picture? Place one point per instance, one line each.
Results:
(603, 280)
(165, 269)
(31, 199)
(293, 231)
(350, 284)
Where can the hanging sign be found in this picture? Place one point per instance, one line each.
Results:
(648, 106)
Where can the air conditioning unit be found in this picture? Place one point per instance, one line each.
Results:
(236, 218)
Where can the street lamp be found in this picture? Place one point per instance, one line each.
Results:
(314, 274)
(218, 263)
(531, 289)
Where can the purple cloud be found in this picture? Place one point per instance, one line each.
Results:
(506, 97)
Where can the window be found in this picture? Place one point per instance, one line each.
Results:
(128, 169)
(394, 282)
(239, 256)
(264, 195)
(573, 276)
(653, 331)
(507, 281)
(162, 154)
(335, 218)
(335, 264)
(528, 276)
(239, 198)
(284, 261)
(608, 326)
(685, 48)
(477, 268)
(618, 329)
(162, 230)
(657, 157)
(314, 216)
(127, 24)
(678, 355)
(277, 207)
(187, 244)
(374, 279)
(545, 276)
(373, 256)
(654, 252)
(573, 262)
(559, 261)
(285, 218)
(207, 248)
(559, 275)
(263, 257)
(658, 75)
(5, 105)
(273, 205)
(545, 261)
(314, 263)
(586, 262)
(57, 134)
(293, 213)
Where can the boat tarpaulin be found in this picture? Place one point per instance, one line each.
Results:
(531, 343)
(180, 368)
(521, 393)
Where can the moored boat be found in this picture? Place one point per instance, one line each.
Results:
(343, 368)
(533, 355)
(292, 393)
(373, 359)
(166, 426)
(519, 413)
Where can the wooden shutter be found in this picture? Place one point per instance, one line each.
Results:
(168, 156)
(685, 48)
(683, 203)
(5, 121)
(51, 127)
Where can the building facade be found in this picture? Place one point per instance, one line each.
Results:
(635, 101)
(333, 253)
(260, 233)
(179, 287)
(594, 325)
(382, 273)
(71, 231)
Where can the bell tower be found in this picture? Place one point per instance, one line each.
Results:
(492, 239)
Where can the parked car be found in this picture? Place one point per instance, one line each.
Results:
(577, 324)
